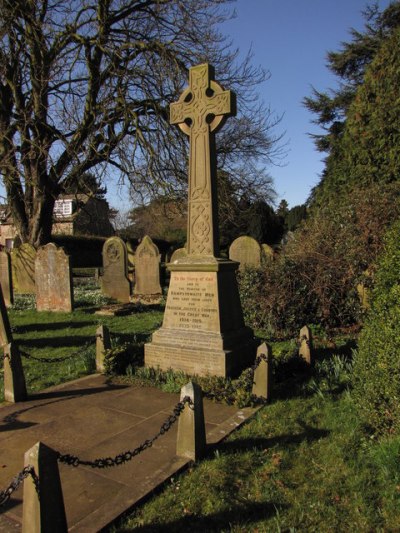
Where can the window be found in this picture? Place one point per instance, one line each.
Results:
(62, 208)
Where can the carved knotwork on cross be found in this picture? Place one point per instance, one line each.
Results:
(200, 112)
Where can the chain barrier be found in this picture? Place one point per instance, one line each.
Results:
(245, 381)
(124, 457)
(56, 359)
(5, 494)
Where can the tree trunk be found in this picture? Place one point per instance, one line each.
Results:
(41, 221)
(34, 228)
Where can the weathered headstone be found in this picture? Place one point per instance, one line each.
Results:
(5, 278)
(147, 272)
(203, 331)
(23, 268)
(114, 281)
(53, 276)
(246, 251)
(178, 254)
(305, 339)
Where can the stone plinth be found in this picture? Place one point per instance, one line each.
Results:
(203, 331)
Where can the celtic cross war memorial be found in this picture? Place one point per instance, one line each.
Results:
(203, 330)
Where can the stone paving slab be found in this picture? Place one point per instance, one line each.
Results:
(92, 417)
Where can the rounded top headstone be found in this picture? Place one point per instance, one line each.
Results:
(178, 254)
(246, 251)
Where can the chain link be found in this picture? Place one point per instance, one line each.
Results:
(124, 457)
(56, 359)
(5, 494)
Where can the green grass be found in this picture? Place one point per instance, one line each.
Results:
(46, 334)
(303, 463)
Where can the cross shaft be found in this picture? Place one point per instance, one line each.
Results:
(200, 112)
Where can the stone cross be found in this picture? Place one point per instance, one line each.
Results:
(200, 111)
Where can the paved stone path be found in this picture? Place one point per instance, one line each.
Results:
(92, 418)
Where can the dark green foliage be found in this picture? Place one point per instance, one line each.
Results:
(362, 117)
(314, 279)
(377, 362)
(371, 143)
(294, 216)
(84, 251)
(349, 64)
(254, 218)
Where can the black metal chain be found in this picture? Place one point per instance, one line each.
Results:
(16, 482)
(124, 457)
(56, 359)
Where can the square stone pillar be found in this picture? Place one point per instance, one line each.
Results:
(203, 331)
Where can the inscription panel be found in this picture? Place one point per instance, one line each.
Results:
(192, 302)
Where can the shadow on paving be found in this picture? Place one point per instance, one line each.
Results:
(11, 420)
(241, 515)
(309, 434)
(52, 326)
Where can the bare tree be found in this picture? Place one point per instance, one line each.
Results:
(85, 85)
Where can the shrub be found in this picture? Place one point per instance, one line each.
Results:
(377, 361)
(315, 277)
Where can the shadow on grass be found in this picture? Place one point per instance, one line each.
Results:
(131, 338)
(292, 375)
(320, 354)
(52, 326)
(309, 434)
(240, 515)
(58, 342)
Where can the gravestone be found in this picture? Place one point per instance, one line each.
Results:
(147, 272)
(23, 268)
(246, 251)
(203, 331)
(178, 254)
(114, 281)
(53, 277)
(5, 278)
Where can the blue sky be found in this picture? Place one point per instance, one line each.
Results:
(290, 38)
